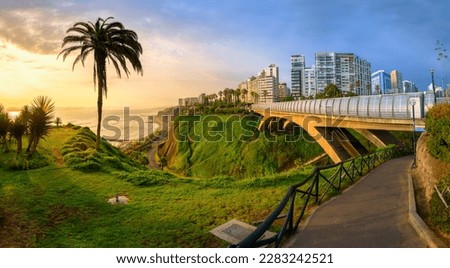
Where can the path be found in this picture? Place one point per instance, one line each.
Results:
(152, 163)
(372, 213)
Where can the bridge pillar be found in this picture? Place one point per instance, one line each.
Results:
(381, 138)
(326, 137)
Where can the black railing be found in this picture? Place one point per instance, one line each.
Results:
(321, 183)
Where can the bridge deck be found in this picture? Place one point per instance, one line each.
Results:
(372, 213)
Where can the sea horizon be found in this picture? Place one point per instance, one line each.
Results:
(113, 119)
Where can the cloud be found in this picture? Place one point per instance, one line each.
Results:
(14, 4)
(36, 30)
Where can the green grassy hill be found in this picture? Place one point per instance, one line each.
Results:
(60, 206)
(231, 145)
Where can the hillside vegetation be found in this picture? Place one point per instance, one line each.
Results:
(231, 145)
(65, 204)
(438, 127)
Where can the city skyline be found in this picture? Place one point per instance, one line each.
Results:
(191, 47)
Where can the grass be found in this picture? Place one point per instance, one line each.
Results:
(58, 206)
(234, 154)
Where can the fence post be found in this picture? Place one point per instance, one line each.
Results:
(317, 187)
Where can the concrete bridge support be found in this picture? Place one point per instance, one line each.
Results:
(337, 142)
(381, 138)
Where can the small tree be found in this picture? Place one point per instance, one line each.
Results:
(237, 93)
(377, 89)
(244, 93)
(330, 91)
(58, 121)
(163, 162)
(40, 121)
(5, 122)
(17, 130)
(264, 92)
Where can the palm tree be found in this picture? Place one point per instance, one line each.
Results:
(265, 92)
(108, 41)
(5, 122)
(220, 95)
(254, 96)
(40, 123)
(17, 130)
(25, 113)
(245, 92)
(237, 93)
(58, 121)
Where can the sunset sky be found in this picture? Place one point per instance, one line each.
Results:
(192, 47)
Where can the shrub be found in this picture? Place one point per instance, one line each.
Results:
(23, 162)
(80, 154)
(87, 166)
(439, 214)
(145, 177)
(438, 125)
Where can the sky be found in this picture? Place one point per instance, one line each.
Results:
(191, 47)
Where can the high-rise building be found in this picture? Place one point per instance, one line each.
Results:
(396, 82)
(381, 82)
(268, 84)
(283, 91)
(347, 71)
(297, 75)
(310, 82)
(409, 86)
(363, 76)
(264, 87)
(325, 70)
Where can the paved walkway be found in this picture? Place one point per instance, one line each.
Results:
(372, 213)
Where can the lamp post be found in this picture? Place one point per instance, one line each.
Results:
(434, 88)
(413, 103)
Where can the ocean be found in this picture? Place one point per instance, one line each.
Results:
(117, 125)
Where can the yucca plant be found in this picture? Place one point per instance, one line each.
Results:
(40, 122)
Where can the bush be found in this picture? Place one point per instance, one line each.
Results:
(79, 153)
(439, 214)
(87, 166)
(145, 177)
(23, 162)
(438, 125)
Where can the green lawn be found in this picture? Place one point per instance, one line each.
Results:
(56, 206)
(59, 207)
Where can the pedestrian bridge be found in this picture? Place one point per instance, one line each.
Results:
(328, 120)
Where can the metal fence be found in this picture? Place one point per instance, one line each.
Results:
(322, 182)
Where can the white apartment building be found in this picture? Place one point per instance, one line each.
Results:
(346, 70)
(264, 86)
(310, 82)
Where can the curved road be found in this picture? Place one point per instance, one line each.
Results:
(372, 213)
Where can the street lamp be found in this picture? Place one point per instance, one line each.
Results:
(413, 103)
(434, 88)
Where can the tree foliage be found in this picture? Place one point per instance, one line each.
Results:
(41, 118)
(108, 41)
(438, 125)
(330, 91)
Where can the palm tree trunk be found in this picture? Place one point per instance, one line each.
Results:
(30, 142)
(101, 76)
(34, 146)
(99, 114)
(19, 145)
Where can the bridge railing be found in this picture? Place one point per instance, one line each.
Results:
(323, 182)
